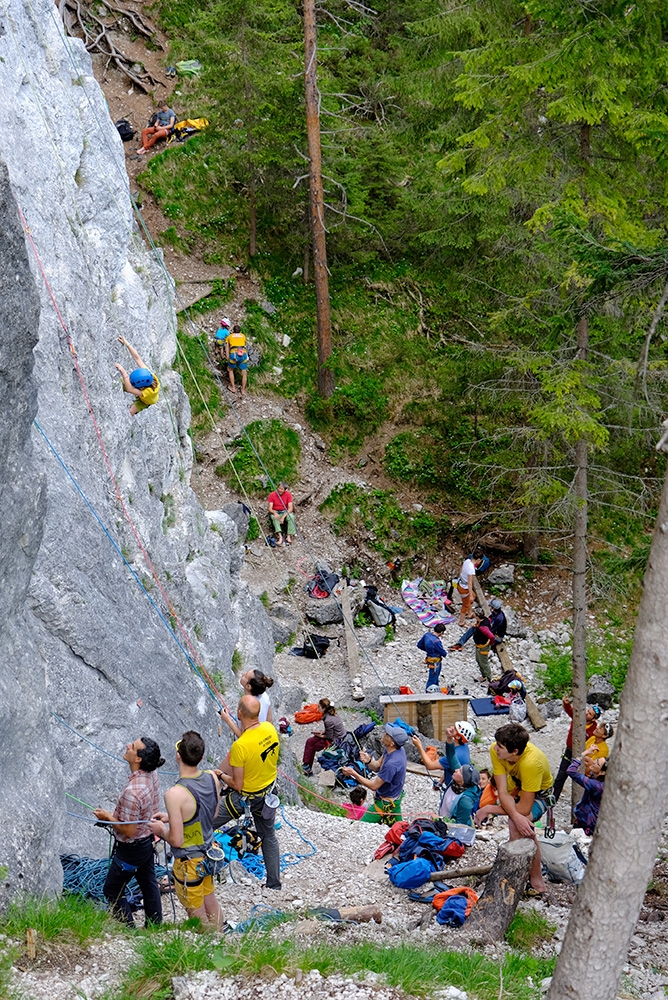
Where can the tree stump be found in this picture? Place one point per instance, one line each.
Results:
(504, 887)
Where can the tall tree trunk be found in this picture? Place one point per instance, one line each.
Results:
(580, 579)
(608, 902)
(317, 199)
(253, 218)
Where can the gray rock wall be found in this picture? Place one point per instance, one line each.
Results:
(78, 635)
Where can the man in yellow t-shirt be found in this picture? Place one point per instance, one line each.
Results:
(250, 777)
(524, 784)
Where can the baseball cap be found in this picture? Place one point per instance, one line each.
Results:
(497, 603)
(399, 735)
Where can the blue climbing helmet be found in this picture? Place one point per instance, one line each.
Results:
(141, 378)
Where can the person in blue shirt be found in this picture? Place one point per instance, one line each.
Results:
(389, 776)
(431, 644)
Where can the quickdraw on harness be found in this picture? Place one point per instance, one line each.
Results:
(550, 826)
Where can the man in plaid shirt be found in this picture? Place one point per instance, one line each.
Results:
(133, 855)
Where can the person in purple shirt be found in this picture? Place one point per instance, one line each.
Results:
(387, 783)
(586, 811)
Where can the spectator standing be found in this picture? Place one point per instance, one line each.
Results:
(132, 856)
(483, 638)
(431, 645)
(465, 587)
(586, 811)
(255, 683)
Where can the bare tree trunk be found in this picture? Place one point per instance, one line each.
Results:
(608, 902)
(504, 886)
(317, 197)
(580, 581)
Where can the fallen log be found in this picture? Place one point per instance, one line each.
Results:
(504, 887)
(460, 872)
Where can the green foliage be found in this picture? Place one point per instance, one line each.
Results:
(279, 450)
(66, 920)
(313, 799)
(376, 516)
(160, 958)
(199, 382)
(264, 597)
(529, 929)
(607, 654)
(169, 507)
(237, 661)
(253, 529)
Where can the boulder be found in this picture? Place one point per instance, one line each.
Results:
(284, 622)
(325, 612)
(600, 692)
(503, 575)
(551, 709)
(516, 630)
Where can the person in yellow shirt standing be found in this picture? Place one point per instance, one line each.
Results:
(250, 777)
(524, 785)
(140, 383)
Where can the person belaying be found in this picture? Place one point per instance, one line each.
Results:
(461, 793)
(389, 778)
(431, 645)
(191, 805)
(133, 856)
(483, 637)
(497, 623)
(333, 728)
(140, 383)
(250, 777)
(280, 507)
(236, 357)
(592, 715)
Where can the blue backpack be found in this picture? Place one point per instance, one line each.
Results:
(410, 874)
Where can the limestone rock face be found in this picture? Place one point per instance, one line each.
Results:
(116, 589)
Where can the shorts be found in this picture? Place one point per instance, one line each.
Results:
(538, 808)
(191, 888)
(238, 361)
(141, 405)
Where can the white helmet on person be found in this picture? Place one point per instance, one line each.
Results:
(465, 730)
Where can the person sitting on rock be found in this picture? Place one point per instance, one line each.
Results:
(461, 795)
(141, 382)
(279, 504)
(165, 120)
(333, 728)
(524, 783)
(489, 798)
(431, 644)
(586, 811)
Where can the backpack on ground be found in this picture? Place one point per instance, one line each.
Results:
(315, 646)
(410, 874)
(501, 685)
(381, 615)
(189, 126)
(125, 129)
(517, 711)
(309, 713)
(322, 584)
(562, 859)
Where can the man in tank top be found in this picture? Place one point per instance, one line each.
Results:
(191, 805)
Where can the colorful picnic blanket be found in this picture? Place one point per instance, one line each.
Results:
(427, 600)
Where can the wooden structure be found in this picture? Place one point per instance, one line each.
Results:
(533, 713)
(431, 714)
(352, 649)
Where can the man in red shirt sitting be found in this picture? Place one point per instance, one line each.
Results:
(280, 511)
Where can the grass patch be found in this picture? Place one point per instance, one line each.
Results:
(312, 798)
(200, 384)
(608, 655)
(419, 971)
(237, 661)
(278, 452)
(69, 919)
(264, 598)
(377, 517)
(253, 529)
(528, 929)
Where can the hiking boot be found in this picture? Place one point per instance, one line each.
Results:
(307, 770)
(455, 648)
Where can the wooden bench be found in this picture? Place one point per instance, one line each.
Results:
(430, 713)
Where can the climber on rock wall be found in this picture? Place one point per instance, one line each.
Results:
(141, 382)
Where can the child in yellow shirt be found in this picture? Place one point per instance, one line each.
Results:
(597, 743)
(140, 383)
